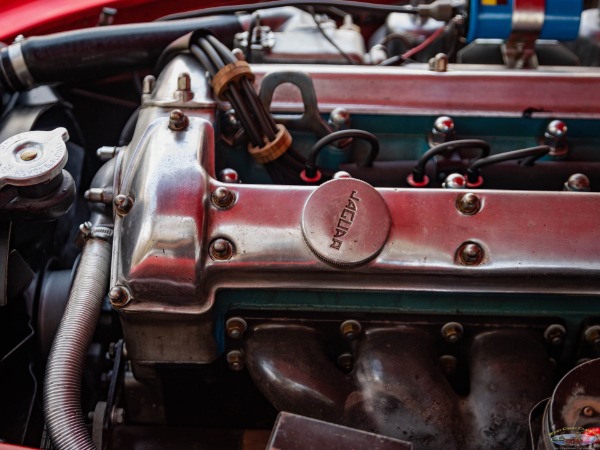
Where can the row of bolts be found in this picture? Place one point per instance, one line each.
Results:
(452, 332)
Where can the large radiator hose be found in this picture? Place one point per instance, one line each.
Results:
(62, 386)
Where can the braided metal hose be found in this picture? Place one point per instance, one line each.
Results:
(62, 386)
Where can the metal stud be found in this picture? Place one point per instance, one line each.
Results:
(469, 204)
(555, 334)
(592, 334)
(220, 249)
(350, 329)
(223, 198)
(236, 327)
(123, 203)
(345, 362)
(119, 296)
(178, 121)
(452, 332)
(470, 254)
(235, 359)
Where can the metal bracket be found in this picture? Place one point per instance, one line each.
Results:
(519, 51)
(311, 119)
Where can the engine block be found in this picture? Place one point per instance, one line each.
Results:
(203, 267)
(302, 225)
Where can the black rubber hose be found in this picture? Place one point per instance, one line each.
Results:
(127, 132)
(473, 170)
(251, 7)
(221, 49)
(419, 170)
(258, 110)
(265, 120)
(232, 97)
(212, 53)
(311, 163)
(203, 59)
(98, 52)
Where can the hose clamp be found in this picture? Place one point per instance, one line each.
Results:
(19, 65)
(88, 231)
(101, 232)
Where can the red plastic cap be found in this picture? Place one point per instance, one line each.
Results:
(307, 179)
(411, 181)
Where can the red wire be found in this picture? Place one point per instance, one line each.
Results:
(423, 44)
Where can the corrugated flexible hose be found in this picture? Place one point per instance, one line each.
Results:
(62, 386)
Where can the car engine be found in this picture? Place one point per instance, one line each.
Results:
(304, 225)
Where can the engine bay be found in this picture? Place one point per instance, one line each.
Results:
(304, 225)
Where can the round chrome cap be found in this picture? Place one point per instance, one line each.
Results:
(346, 222)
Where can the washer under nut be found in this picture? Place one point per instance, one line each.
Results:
(469, 203)
(118, 296)
(555, 334)
(350, 329)
(345, 362)
(452, 332)
(178, 121)
(236, 327)
(223, 198)
(235, 359)
(470, 254)
(123, 203)
(588, 411)
(221, 249)
(592, 334)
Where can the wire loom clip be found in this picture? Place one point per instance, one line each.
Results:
(274, 149)
(230, 73)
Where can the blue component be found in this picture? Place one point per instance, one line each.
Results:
(562, 19)
(492, 19)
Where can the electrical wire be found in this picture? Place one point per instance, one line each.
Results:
(212, 62)
(259, 124)
(326, 36)
(12, 101)
(395, 37)
(232, 9)
(531, 152)
(419, 170)
(254, 21)
(311, 162)
(426, 43)
(266, 121)
(407, 55)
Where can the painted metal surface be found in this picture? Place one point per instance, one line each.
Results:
(485, 91)
(533, 242)
(38, 17)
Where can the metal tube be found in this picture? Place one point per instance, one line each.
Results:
(62, 386)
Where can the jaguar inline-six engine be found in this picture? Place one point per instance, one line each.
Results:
(323, 226)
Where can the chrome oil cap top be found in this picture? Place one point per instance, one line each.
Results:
(346, 222)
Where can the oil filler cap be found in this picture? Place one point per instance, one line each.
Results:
(346, 222)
